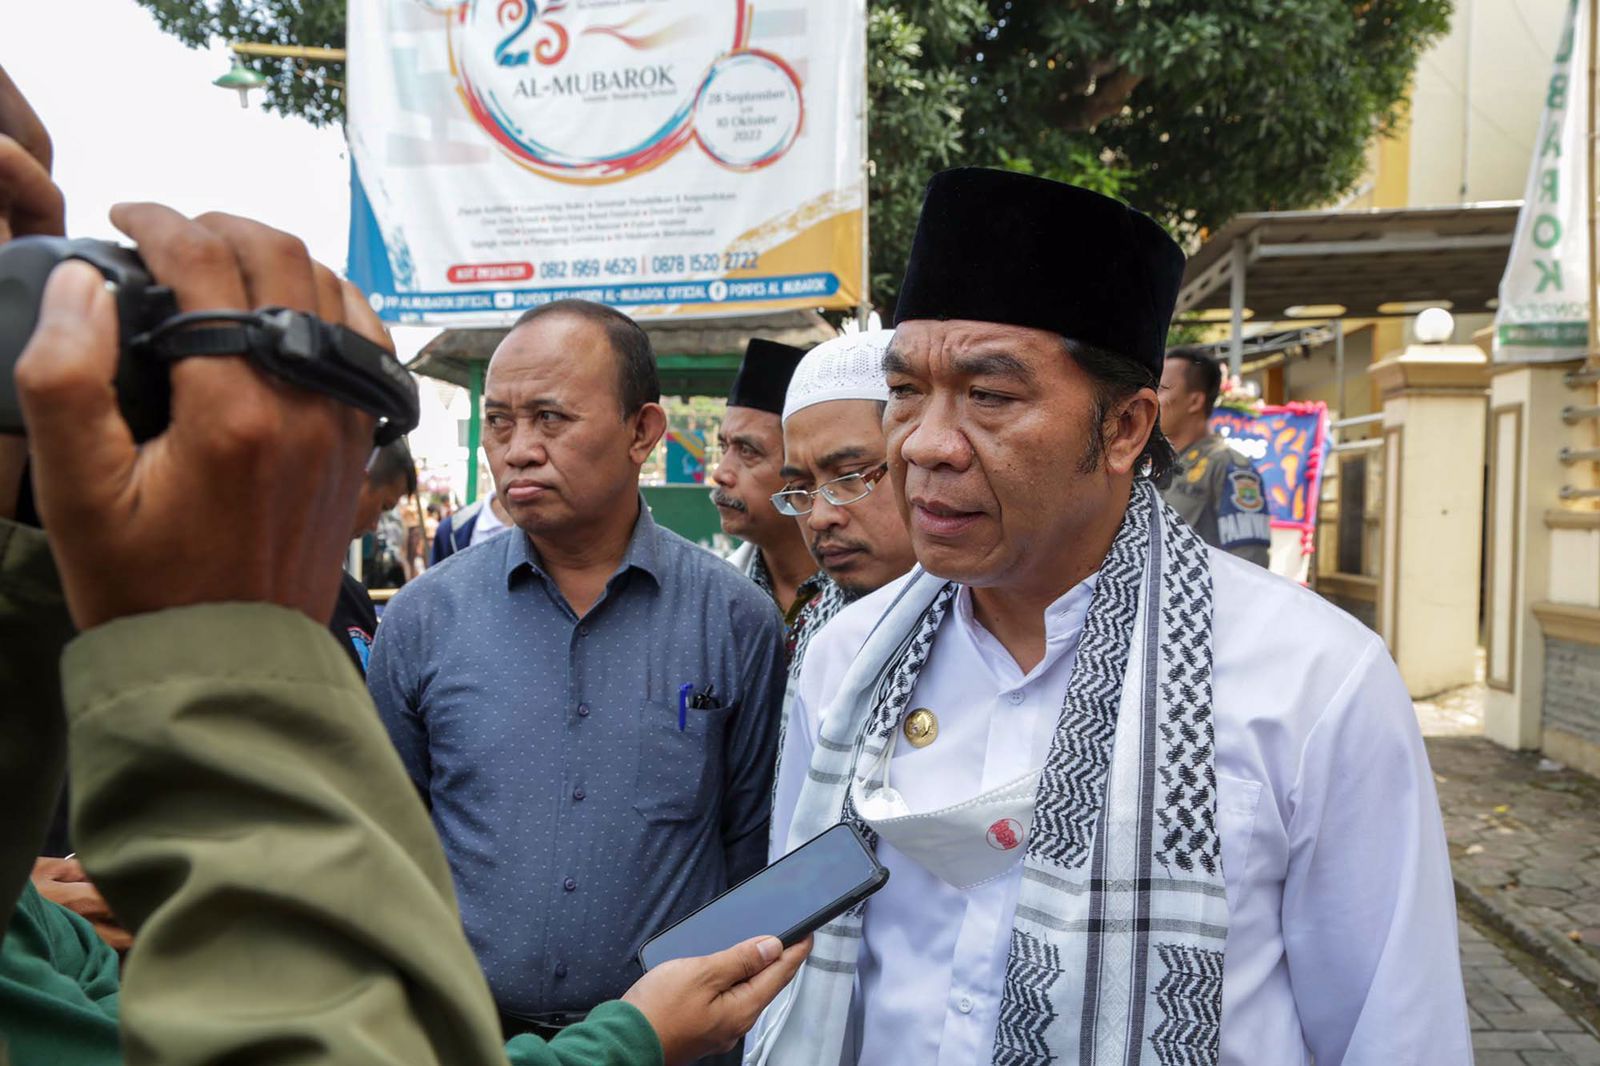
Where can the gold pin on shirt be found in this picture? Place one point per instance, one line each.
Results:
(921, 727)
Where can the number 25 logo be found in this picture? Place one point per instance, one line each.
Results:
(520, 15)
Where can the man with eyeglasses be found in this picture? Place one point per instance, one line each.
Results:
(773, 554)
(833, 459)
(1213, 487)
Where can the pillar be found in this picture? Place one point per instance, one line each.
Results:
(1434, 401)
(1542, 613)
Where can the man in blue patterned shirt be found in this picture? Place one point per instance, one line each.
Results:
(532, 685)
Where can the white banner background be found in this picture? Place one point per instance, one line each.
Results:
(668, 157)
(1544, 296)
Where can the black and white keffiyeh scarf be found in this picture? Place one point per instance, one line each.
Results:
(1116, 947)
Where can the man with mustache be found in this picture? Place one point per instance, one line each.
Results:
(588, 703)
(1142, 802)
(773, 554)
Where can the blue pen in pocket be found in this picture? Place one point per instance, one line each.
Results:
(683, 705)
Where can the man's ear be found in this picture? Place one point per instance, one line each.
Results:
(649, 423)
(1129, 431)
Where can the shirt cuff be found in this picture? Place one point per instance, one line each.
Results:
(223, 641)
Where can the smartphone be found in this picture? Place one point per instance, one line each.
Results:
(795, 896)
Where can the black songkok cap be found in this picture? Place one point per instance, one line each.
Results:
(763, 377)
(995, 246)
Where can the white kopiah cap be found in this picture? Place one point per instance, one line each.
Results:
(846, 368)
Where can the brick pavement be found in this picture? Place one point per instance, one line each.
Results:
(1514, 1021)
(1525, 847)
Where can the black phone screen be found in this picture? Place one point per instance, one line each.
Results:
(821, 879)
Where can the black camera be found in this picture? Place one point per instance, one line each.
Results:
(295, 346)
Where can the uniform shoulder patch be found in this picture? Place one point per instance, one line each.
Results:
(1244, 490)
(1242, 517)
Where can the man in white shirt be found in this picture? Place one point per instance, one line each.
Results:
(1174, 809)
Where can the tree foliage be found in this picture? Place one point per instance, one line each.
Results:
(1194, 110)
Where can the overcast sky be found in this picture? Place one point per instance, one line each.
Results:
(134, 116)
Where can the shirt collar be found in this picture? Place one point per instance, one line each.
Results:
(643, 550)
(1064, 619)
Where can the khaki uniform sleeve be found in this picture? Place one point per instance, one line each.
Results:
(240, 807)
(34, 627)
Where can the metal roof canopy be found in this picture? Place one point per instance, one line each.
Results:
(1361, 260)
(696, 357)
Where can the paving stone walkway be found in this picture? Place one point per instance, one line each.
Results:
(1525, 848)
(1514, 1021)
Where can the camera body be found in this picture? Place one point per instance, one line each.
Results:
(142, 384)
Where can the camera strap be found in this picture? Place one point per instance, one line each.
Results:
(303, 350)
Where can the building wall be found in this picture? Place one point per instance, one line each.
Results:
(1477, 99)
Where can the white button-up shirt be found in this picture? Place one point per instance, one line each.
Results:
(1342, 937)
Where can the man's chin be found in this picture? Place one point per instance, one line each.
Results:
(734, 523)
(952, 561)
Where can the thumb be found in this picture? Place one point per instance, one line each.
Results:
(65, 386)
(741, 962)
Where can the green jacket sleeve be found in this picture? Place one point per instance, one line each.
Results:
(58, 988)
(34, 627)
(241, 808)
(613, 1033)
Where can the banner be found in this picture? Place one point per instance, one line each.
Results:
(1286, 443)
(686, 457)
(1544, 296)
(666, 157)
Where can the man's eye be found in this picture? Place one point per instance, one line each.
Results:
(549, 417)
(900, 391)
(987, 398)
(497, 421)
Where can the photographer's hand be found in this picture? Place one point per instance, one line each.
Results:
(703, 1006)
(249, 494)
(30, 203)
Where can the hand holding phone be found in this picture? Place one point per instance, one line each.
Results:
(798, 894)
(702, 1006)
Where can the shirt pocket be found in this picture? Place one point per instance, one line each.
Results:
(1237, 800)
(679, 770)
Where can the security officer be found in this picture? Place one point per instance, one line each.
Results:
(1214, 487)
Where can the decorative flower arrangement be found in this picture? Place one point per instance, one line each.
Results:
(1236, 397)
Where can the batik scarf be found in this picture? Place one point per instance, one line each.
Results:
(1116, 946)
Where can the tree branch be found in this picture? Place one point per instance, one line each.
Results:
(1109, 97)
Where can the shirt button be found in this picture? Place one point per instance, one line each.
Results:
(583, 631)
(1015, 698)
(561, 969)
(570, 885)
(964, 1005)
(583, 710)
(578, 793)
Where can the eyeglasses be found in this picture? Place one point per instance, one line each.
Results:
(841, 492)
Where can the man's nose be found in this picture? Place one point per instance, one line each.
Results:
(937, 440)
(825, 515)
(723, 476)
(526, 448)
